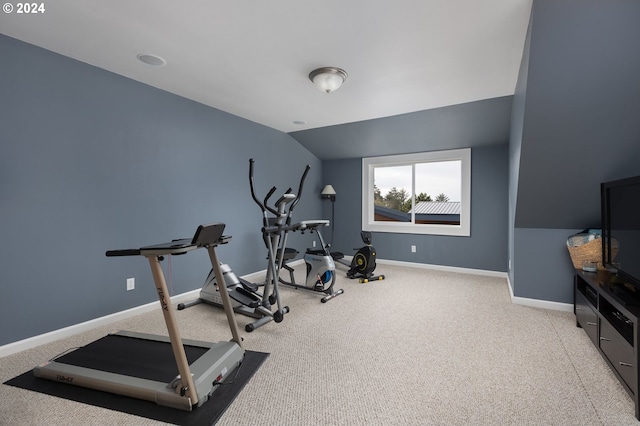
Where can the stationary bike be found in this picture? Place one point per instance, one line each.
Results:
(363, 263)
(320, 267)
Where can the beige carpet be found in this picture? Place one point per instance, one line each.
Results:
(422, 347)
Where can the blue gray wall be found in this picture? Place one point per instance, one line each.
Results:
(471, 124)
(92, 161)
(574, 124)
(485, 249)
(515, 145)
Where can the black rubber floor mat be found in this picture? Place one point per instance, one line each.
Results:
(207, 414)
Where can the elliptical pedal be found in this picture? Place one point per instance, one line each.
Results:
(244, 297)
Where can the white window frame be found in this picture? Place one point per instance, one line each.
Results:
(370, 163)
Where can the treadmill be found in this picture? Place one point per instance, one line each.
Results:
(201, 366)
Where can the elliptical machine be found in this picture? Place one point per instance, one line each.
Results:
(245, 297)
(363, 263)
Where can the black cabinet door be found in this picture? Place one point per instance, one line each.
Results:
(620, 353)
(586, 317)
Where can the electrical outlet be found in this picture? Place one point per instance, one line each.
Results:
(131, 284)
(413, 249)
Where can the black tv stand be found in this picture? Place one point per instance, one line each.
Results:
(608, 311)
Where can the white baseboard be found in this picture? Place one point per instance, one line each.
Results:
(32, 342)
(534, 303)
(51, 336)
(538, 303)
(544, 304)
(443, 268)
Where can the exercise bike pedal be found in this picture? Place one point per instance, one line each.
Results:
(336, 255)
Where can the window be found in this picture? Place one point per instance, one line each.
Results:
(424, 193)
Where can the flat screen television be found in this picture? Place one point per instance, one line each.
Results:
(621, 229)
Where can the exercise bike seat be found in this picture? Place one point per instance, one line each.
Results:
(317, 252)
(309, 225)
(289, 253)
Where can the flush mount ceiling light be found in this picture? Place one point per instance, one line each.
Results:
(153, 60)
(328, 79)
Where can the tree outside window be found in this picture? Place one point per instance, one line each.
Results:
(440, 182)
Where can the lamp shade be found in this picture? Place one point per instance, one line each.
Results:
(328, 192)
(328, 79)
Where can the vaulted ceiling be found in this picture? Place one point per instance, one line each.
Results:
(252, 59)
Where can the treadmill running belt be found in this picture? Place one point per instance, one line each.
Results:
(142, 358)
(207, 414)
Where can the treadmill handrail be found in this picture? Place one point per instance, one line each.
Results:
(209, 235)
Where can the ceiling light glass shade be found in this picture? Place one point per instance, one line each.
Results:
(328, 79)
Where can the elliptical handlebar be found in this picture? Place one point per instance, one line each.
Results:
(266, 199)
(251, 184)
(293, 204)
(264, 204)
